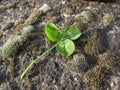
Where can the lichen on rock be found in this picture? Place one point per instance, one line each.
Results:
(35, 15)
(14, 43)
(11, 5)
(12, 46)
(19, 28)
(26, 31)
(6, 25)
(33, 18)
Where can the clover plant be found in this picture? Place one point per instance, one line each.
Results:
(64, 44)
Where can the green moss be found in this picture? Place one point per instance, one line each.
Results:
(96, 77)
(118, 1)
(54, 19)
(109, 60)
(19, 28)
(94, 45)
(11, 63)
(35, 15)
(12, 46)
(28, 84)
(28, 30)
(3, 8)
(24, 30)
(78, 64)
(15, 43)
(1, 33)
(6, 25)
(33, 18)
(12, 70)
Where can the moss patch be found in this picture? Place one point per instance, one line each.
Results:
(11, 5)
(78, 64)
(94, 45)
(96, 78)
(33, 18)
(19, 28)
(12, 46)
(110, 61)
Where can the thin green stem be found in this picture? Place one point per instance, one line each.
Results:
(37, 59)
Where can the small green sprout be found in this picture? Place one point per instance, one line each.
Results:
(64, 44)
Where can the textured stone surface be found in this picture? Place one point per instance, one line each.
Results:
(93, 66)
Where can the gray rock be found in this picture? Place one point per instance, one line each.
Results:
(113, 39)
(115, 82)
(45, 8)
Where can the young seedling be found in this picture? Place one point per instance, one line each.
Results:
(64, 44)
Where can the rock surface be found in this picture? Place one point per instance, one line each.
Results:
(95, 62)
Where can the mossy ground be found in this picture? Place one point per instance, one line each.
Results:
(53, 72)
(95, 45)
(97, 78)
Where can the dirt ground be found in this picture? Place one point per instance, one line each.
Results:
(93, 66)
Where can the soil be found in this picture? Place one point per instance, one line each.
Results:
(93, 66)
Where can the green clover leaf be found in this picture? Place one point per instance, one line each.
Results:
(53, 32)
(72, 32)
(65, 47)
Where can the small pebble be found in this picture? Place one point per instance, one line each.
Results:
(45, 8)
(115, 83)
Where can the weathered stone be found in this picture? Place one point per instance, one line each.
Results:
(51, 72)
(113, 39)
(115, 82)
